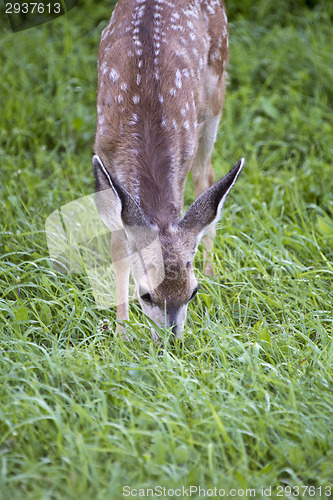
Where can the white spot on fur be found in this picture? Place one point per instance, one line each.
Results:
(114, 75)
(160, 98)
(140, 12)
(215, 55)
(178, 79)
(104, 67)
(191, 11)
(138, 79)
(173, 92)
(210, 9)
(105, 33)
(193, 100)
(123, 86)
(177, 27)
(136, 99)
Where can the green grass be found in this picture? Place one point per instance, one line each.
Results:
(247, 401)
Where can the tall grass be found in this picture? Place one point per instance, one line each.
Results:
(247, 400)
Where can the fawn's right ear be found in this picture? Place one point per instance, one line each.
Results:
(106, 198)
(115, 205)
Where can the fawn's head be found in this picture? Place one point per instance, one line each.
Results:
(161, 257)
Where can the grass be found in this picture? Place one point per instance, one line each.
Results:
(247, 401)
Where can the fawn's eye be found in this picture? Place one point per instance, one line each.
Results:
(195, 291)
(147, 298)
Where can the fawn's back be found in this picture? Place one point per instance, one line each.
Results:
(161, 75)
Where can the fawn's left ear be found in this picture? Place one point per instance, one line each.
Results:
(207, 209)
(107, 200)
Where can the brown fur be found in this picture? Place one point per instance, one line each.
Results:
(161, 86)
(162, 152)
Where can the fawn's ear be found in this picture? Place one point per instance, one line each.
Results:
(207, 209)
(115, 205)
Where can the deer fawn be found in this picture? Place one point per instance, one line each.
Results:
(161, 87)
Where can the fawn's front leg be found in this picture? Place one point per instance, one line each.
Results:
(121, 264)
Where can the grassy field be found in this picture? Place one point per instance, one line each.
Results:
(247, 402)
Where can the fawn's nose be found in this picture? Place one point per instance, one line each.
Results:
(172, 320)
(175, 331)
(177, 334)
(175, 338)
(175, 320)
